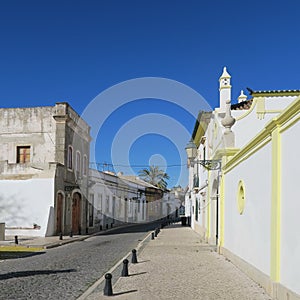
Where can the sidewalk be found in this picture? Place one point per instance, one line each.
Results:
(49, 241)
(41, 242)
(177, 266)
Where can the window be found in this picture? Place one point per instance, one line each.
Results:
(23, 154)
(139, 205)
(100, 202)
(107, 204)
(84, 165)
(91, 210)
(78, 164)
(70, 158)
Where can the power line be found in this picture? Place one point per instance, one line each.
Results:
(109, 165)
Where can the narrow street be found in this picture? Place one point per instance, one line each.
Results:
(67, 271)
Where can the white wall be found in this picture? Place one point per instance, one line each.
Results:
(27, 202)
(248, 127)
(28, 126)
(248, 235)
(290, 209)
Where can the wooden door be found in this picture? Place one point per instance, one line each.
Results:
(59, 212)
(76, 204)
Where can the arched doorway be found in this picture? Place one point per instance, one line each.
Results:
(76, 213)
(59, 212)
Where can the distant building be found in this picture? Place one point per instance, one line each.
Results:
(44, 161)
(243, 177)
(119, 198)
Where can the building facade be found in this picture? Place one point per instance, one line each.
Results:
(44, 160)
(119, 199)
(242, 176)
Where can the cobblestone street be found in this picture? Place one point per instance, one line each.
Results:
(65, 272)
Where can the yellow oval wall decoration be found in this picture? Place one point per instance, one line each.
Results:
(241, 199)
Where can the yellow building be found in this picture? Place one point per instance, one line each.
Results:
(243, 177)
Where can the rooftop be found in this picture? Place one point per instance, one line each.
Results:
(277, 92)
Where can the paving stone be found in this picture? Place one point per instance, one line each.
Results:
(176, 266)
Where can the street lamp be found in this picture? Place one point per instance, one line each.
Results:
(191, 151)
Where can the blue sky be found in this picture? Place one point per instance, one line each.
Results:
(73, 50)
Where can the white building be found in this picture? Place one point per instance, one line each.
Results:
(116, 199)
(246, 170)
(44, 157)
(119, 198)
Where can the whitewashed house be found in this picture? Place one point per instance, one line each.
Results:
(44, 157)
(243, 174)
(119, 198)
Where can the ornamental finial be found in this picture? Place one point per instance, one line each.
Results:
(228, 120)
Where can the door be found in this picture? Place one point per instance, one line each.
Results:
(59, 212)
(76, 204)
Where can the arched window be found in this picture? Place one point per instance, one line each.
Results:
(85, 166)
(78, 164)
(70, 158)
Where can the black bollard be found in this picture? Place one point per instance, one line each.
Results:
(134, 258)
(125, 268)
(111, 225)
(100, 227)
(108, 287)
(106, 226)
(16, 240)
(60, 236)
(152, 236)
(155, 233)
(71, 234)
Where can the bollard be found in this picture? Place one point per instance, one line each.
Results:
(125, 268)
(111, 225)
(60, 236)
(152, 236)
(100, 227)
(106, 226)
(155, 232)
(16, 240)
(108, 287)
(71, 234)
(134, 258)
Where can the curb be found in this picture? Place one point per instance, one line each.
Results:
(79, 239)
(90, 290)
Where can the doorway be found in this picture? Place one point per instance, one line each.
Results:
(59, 212)
(76, 212)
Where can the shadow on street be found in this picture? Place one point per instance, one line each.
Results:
(18, 254)
(33, 273)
